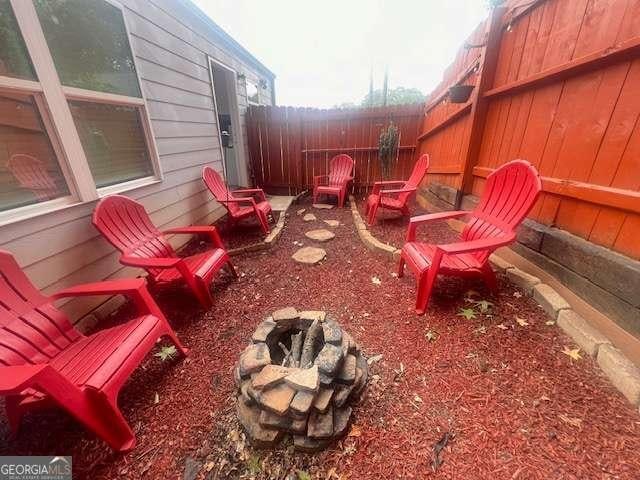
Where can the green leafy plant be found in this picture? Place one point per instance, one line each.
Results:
(254, 464)
(387, 148)
(468, 313)
(302, 475)
(484, 305)
(167, 353)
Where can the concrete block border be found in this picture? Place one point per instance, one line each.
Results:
(620, 371)
(371, 242)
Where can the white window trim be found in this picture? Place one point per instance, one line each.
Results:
(59, 122)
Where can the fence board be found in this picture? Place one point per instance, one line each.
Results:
(297, 143)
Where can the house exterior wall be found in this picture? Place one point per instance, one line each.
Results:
(170, 40)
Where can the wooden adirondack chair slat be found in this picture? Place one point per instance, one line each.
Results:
(396, 198)
(337, 181)
(127, 226)
(44, 360)
(509, 194)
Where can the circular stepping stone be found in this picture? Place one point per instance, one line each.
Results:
(309, 255)
(320, 235)
(309, 217)
(322, 206)
(332, 223)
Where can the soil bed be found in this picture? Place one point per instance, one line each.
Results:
(497, 389)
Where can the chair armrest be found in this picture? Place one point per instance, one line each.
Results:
(389, 182)
(108, 287)
(134, 288)
(377, 186)
(477, 245)
(316, 179)
(398, 190)
(420, 219)
(210, 230)
(251, 191)
(240, 200)
(166, 262)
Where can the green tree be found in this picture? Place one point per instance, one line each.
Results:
(395, 96)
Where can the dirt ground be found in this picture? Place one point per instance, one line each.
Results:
(488, 397)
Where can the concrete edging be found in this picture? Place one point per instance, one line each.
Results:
(620, 371)
(268, 241)
(371, 242)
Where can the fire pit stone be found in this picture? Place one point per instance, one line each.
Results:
(299, 376)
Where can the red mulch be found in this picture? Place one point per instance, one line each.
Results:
(517, 407)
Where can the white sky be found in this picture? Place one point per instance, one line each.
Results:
(322, 51)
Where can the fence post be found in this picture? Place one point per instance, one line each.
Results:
(488, 63)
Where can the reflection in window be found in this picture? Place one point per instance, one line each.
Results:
(252, 93)
(89, 45)
(113, 140)
(14, 59)
(29, 170)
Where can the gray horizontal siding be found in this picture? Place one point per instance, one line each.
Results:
(63, 248)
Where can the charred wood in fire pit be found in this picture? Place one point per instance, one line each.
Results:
(296, 348)
(306, 357)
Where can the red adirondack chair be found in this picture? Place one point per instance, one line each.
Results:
(127, 226)
(45, 361)
(340, 174)
(396, 199)
(32, 175)
(231, 200)
(509, 194)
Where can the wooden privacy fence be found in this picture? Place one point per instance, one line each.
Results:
(288, 146)
(557, 82)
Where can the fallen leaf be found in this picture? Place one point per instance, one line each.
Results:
(376, 280)
(517, 294)
(576, 422)
(573, 353)
(467, 313)
(417, 398)
(522, 322)
(502, 326)
(156, 398)
(373, 359)
(431, 335)
(549, 322)
(481, 330)
(355, 431)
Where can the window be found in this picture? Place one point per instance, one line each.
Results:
(29, 168)
(14, 59)
(253, 96)
(113, 140)
(82, 129)
(89, 45)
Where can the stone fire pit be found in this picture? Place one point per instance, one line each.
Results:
(299, 376)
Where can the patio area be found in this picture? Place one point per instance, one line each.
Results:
(492, 396)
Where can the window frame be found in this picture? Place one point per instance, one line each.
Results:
(52, 100)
